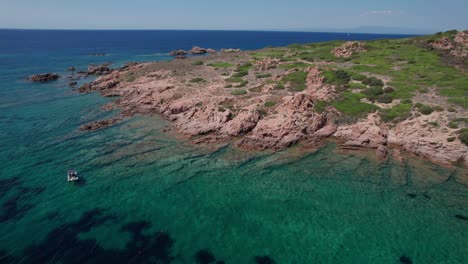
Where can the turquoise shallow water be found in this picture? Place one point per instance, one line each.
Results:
(151, 198)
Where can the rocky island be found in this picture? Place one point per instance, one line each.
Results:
(392, 96)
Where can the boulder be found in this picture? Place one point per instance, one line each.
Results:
(349, 48)
(230, 50)
(99, 69)
(178, 53)
(46, 77)
(198, 50)
(71, 68)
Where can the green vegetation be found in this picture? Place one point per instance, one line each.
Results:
(235, 80)
(338, 77)
(197, 80)
(264, 75)
(240, 74)
(373, 82)
(426, 110)
(239, 92)
(356, 86)
(299, 65)
(319, 106)
(197, 63)
(350, 104)
(296, 80)
(464, 136)
(278, 86)
(397, 113)
(453, 125)
(357, 76)
(269, 104)
(221, 65)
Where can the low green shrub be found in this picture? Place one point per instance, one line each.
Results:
(261, 76)
(197, 63)
(278, 86)
(239, 92)
(372, 81)
(198, 80)
(426, 110)
(338, 77)
(269, 104)
(385, 99)
(464, 136)
(388, 89)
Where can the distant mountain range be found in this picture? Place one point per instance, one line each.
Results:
(375, 30)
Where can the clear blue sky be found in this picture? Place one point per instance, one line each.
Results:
(432, 15)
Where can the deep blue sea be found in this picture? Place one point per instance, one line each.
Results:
(147, 197)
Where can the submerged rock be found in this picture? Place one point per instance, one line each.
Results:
(405, 260)
(100, 124)
(46, 77)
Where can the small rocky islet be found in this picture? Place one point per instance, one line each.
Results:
(391, 96)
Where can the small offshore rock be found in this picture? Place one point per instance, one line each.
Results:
(178, 53)
(198, 50)
(71, 68)
(99, 69)
(44, 77)
(100, 124)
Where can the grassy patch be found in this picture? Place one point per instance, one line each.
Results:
(234, 80)
(239, 92)
(269, 104)
(296, 80)
(463, 136)
(197, 63)
(397, 113)
(338, 77)
(350, 104)
(221, 65)
(264, 75)
(319, 106)
(356, 86)
(198, 80)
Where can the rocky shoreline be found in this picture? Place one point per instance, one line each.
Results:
(206, 103)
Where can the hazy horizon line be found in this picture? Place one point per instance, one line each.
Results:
(343, 31)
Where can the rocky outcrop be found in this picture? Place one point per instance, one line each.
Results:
(263, 117)
(349, 48)
(295, 121)
(99, 69)
(71, 69)
(266, 64)
(104, 84)
(368, 133)
(456, 47)
(46, 77)
(316, 87)
(230, 50)
(198, 50)
(178, 53)
(420, 138)
(100, 124)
